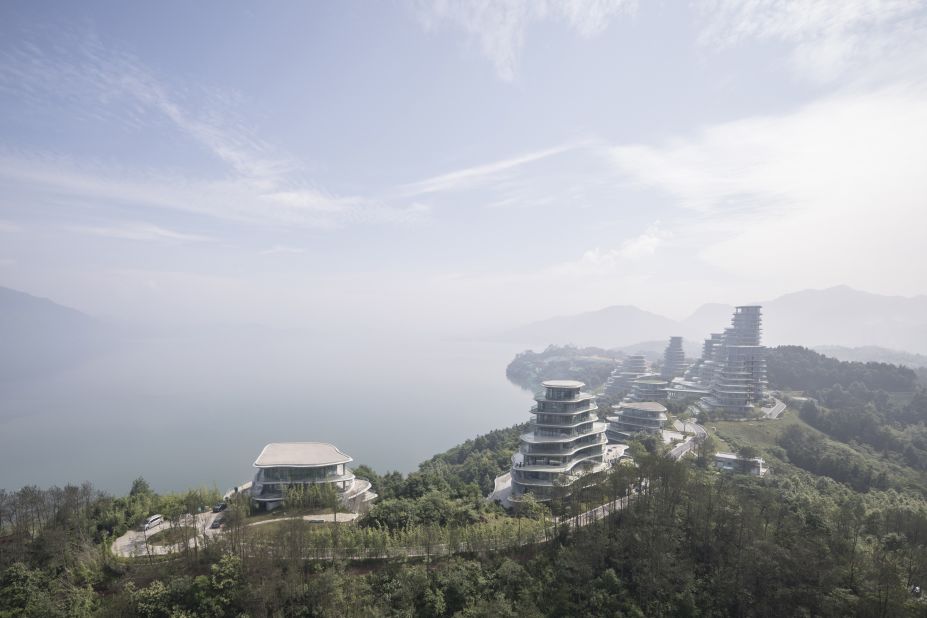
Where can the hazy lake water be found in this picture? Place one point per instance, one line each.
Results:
(192, 412)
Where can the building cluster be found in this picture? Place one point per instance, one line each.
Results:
(619, 382)
(565, 440)
(733, 364)
(729, 378)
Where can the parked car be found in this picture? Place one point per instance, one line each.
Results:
(153, 521)
(221, 506)
(216, 523)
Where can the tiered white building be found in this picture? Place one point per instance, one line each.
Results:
(565, 441)
(649, 387)
(702, 371)
(282, 465)
(738, 382)
(674, 360)
(619, 382)
(632, 418)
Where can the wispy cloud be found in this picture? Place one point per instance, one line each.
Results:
(645, 245)
(477, 175)
(499, 26)
(259, 185)
(115, 85)
(139, 231)
(602, 262)
(828, 40)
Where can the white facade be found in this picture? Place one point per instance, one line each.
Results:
(565, 441)
(674, 359)
(731, 462)
(632, 418)
(619, 382)
(738, 381)
(284, 464)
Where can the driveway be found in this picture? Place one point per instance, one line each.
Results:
(132, 543)
(699, 434)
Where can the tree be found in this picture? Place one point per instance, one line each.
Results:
(705, 450)
(140, 487)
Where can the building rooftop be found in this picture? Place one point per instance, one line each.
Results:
(736, 457)
(563, 384)
(300, 455)
(646, 406)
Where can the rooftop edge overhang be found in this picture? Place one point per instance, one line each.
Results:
(334, 456)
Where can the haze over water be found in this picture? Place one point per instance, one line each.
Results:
(197, 411)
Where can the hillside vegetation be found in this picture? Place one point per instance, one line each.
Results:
(590, 365)
(878, 410)
(839, 528)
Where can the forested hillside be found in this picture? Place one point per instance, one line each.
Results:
(693, 543)
(798, 368)
(880, 407)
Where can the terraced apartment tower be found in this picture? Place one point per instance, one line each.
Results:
(619, 382)
(738, 382)
(702, 371)
(674, 360)
(566, 441)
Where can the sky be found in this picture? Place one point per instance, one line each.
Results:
(458, 167)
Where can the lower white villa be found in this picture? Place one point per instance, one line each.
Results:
(732, 462)
(632, 418)
(284, 464)
(647, 388)
(566, 441)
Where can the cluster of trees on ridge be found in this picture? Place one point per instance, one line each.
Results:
(692, 543)
(878, 410)
(590, 365)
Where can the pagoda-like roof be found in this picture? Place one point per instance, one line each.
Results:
(563, 384)
(644, 406)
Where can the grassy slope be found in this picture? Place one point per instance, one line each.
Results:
(764, 435)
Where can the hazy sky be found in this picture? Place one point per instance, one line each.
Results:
(458, 165)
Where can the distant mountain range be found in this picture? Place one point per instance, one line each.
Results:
(838, 316)
(39, 335)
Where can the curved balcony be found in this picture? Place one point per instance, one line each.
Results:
(598, 438)
(543, 438)
(542, 422)
(565, 474)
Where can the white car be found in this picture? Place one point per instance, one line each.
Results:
(153, 521)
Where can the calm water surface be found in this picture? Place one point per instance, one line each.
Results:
(186, 413)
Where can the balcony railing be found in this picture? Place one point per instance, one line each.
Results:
(568, 449)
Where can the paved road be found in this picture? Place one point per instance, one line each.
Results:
(321, 518)
(699, 434)
(132, 543)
